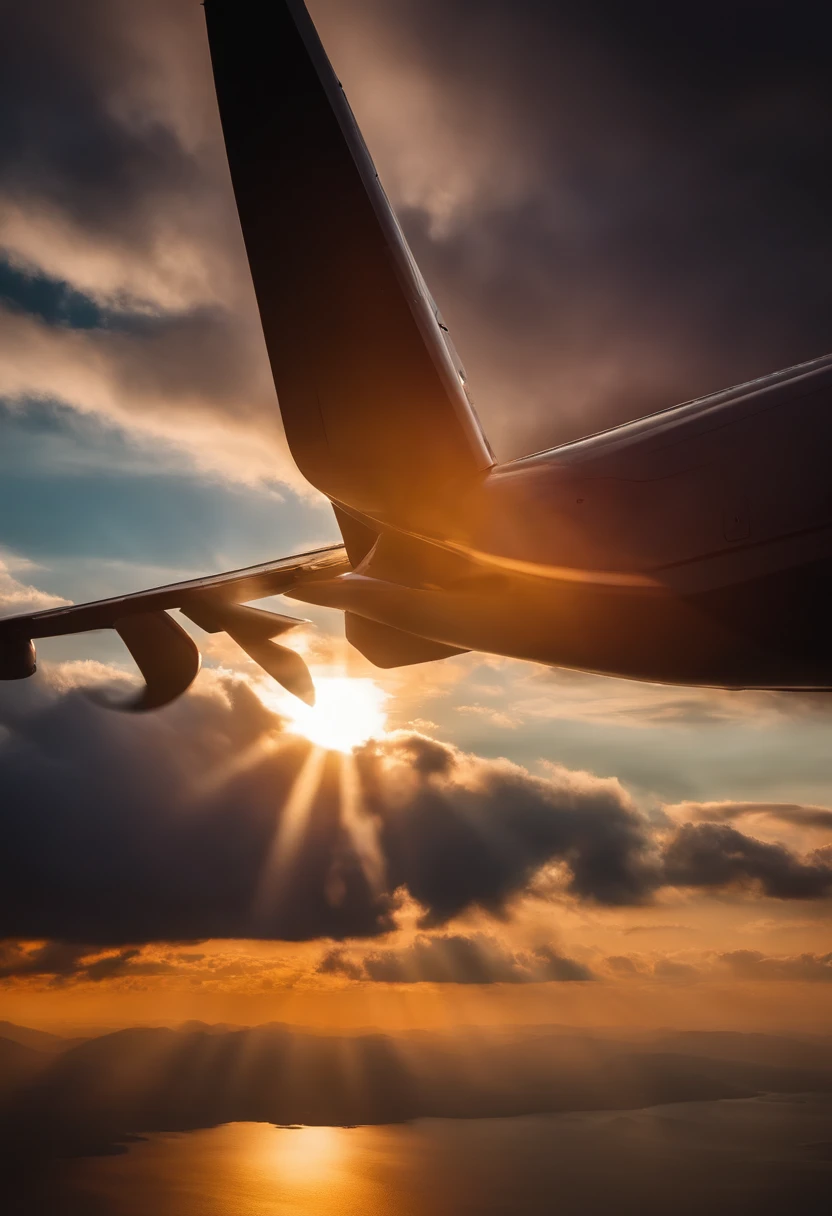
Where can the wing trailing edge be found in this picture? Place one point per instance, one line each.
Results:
(166, 655)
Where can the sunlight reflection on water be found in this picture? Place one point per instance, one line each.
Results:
(763, 1155)
(249, 1169)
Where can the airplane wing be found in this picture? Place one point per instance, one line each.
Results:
(166, 655)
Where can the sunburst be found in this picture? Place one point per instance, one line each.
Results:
(347, 712)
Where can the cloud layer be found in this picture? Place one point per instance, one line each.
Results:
(641, 216)
(614, 215)
(210, 821)
(116, 204)
(455, 959)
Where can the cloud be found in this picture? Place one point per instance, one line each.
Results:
(219, 967)
(745, 966)
(17, 596)
(456, 959)
(614, 217)
(752, 965)
(663, 967)
(672, 969)
(117, 206)
(789, 813)
(716, 856)
(179, 826)
(210, 820)
(64, 963)
(118, 831)
(639, 207)
(622, 964)
(194, 380)
(472, 832)
(604, 700)
(494, 717)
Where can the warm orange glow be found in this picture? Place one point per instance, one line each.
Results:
(310, 1155)
(347, 712)
(290, 826)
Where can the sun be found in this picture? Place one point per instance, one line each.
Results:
(346, 714)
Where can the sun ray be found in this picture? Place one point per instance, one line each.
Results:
(348, 713)
(289, 827)
(248, 758)
(360, 826)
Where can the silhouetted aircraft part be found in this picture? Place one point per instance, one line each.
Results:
(283, 665)
(691, 546)
(236, 587)
(371, 390)
(18, 659)
(165, 654)
(387, 647)
(238, 620)
(359, 537)
(252, 629)
(212, 603)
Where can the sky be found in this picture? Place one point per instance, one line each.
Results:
(617, 208)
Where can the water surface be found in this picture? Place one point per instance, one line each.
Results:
(762, 1155)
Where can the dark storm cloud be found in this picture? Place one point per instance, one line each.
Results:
(669, 232)
(207, 821)
(108, 838)
(473, 832)
(456, 959)
(716, 856)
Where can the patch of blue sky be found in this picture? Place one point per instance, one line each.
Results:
(749, 754)
(76, 492)
(56, 302)
(52, 300)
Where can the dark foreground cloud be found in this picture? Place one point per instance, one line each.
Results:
(714, 856)
(455, 959)
(116, 830)
(209, 821)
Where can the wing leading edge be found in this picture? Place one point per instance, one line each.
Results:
(166, 655)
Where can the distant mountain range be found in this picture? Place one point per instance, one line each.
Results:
(66, 1097)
